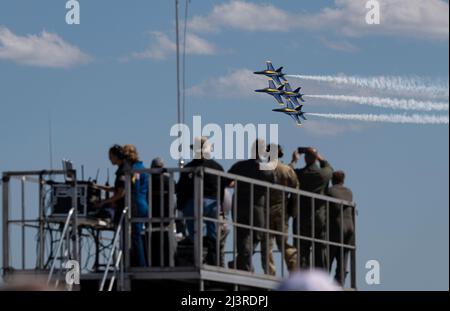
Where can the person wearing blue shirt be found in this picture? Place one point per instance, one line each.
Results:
(140, 208)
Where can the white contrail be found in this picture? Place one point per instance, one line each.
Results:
(393, 103)
(417, 85)
(390, 118)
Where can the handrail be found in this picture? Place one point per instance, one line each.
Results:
(248, 180)
(58, 249)
(277, 187)
(37, 173)
(119, 270)
(199, 218)
(113, 250)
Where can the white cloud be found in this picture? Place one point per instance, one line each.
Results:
(199, 46)
(239, 83)
(42, 50)
(417, 18)
(163, 46)
(241, 15)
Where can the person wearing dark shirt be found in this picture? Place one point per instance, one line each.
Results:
(249, 168)
(139, 205)
(314, 179)
(346, 223)
(185, 196)
(112, 207)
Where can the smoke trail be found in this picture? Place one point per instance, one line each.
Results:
(418, 85)
(390, 118)
(393, 103)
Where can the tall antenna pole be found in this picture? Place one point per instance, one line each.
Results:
(183, 84)
(177, 32)
(50, 140)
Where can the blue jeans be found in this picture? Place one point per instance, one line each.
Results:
(209, 210)
(137, 250)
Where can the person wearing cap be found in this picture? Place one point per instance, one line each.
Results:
(249, 168)
(312, 178)
(211, 190)
(279, 214)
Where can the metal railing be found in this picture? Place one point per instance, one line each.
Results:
(316, 243)
(165, 251)
(14, 217)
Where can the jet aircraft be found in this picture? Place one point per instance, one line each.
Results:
(294, 112)
(292, 94)
(274, 91)
(272, 73)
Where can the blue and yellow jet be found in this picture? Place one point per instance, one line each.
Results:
(292, 94)
(272, 73)
(274, 91)
(294, 112)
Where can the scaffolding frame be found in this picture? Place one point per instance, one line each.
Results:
(199, 272)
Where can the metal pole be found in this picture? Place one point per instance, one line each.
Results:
(297, 240)
(327, 219)
(284, 237)
(252, 221)
(161, 219)
(266, 233)
(198, 215)
(199, 175)
(235, 221)
(312, 260)
(177, 33)
(22, 183)
(76, 246)
(5, 180)
(353, 252)
(218, 223)
(149, 220)
(183, 102)
(127, 232)
(172, 221)
(41, 222)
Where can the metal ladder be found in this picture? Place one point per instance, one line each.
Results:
(64, 254)
(117, 254)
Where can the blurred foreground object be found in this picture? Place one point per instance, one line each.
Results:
(313, 280)
(27, 284)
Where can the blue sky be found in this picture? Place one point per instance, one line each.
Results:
(111, 79)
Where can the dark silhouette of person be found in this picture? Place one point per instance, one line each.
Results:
(312, 178)
(346, 224)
